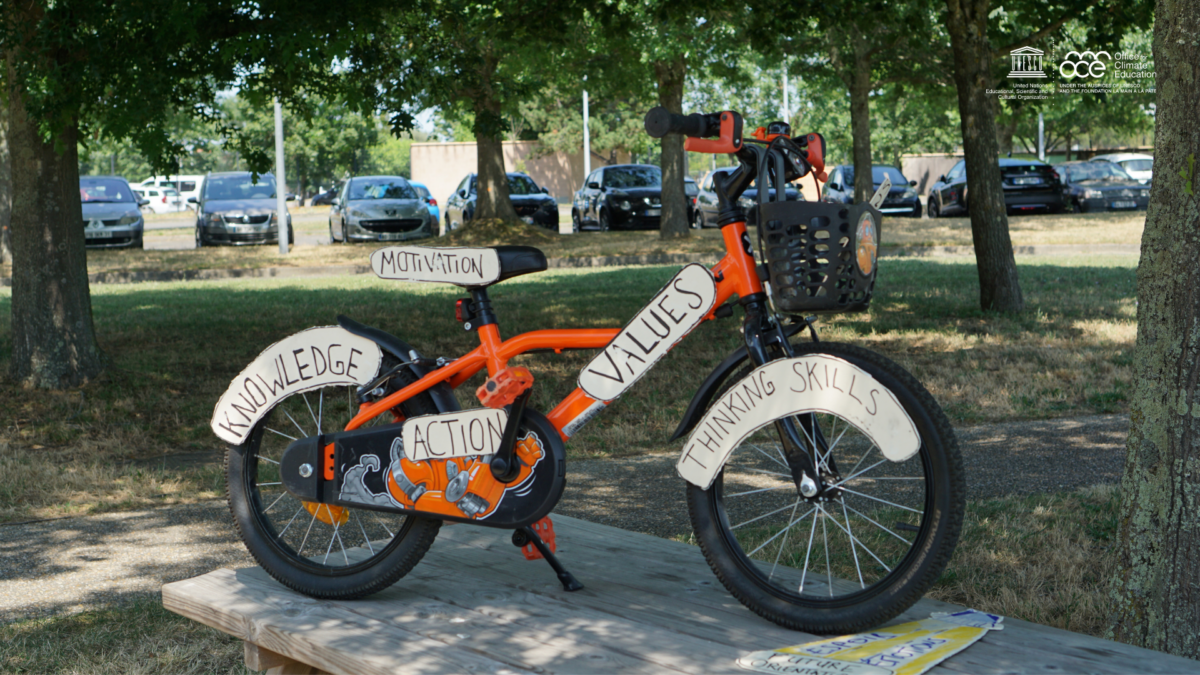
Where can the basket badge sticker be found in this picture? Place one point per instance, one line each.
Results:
(867, 242)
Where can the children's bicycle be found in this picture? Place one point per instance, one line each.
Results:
(823, 482)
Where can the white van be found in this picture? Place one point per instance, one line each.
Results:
(188, 186)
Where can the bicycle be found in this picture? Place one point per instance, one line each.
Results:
(349, 449)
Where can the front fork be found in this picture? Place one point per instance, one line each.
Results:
(801, 437)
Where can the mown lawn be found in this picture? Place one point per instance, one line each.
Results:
(173, 348)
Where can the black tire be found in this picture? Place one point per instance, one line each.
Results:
(332, 239)
(701, 220)
(605, 226)
(931, 207)
(870, 572)
(575, 224)
(199, 239)
(371, 552)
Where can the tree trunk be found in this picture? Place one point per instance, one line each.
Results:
(1004, 135)
(1157, 585)
(54, 340)
(670, 75)
(5, 188)
(491, 189)
(860, 118)
(999, 288)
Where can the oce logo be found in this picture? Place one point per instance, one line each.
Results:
(1088, 65)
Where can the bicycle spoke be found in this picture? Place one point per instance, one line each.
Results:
(872, 521)
(768, 456)
(750, 492)
(364, 534)
(291, 438)
(285, 529)
(860, 459)
(783, 544)
(828, 569)
(289, 416)
(860, 543)
(320, 410)
(310, 411)
(276, 501)
(268, 459)
(882, 501)
(385, 527)
(266, 484)
(778, 534)
(808, 552)
(782, 508)
(853, 476)
(769, 473)
(853, 550)
(309, 530)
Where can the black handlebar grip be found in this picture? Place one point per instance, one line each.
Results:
(660, 122)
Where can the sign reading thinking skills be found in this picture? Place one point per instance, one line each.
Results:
(461, 266)
(678, 308)
(310, 359)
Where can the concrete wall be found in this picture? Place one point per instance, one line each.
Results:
(925, 169)
(442, 166)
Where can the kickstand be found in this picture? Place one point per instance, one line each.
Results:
(527, 535)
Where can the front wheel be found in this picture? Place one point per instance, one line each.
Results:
(865, 549)
(605, 225)
(324, 551)
(932, 208)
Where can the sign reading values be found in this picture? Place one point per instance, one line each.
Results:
(815, 383)
(461, 266)
(311, 359)
(678, 308)
(464, 433)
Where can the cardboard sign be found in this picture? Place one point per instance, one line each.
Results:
(465, 433)
(461, 266)
(311, 359)
(678, 308)
(814, 383)
(908, 649)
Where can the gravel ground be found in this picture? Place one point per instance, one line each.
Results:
(72, 564)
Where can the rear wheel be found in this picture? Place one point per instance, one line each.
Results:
(604, 224)
(864, 550)
(320, 550)
(932, 207)
(575, 224)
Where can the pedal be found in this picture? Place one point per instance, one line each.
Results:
(545, 531)
(504, 387)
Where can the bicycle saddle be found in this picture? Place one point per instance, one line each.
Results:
(518, 260)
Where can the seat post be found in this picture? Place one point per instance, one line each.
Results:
(484, 322)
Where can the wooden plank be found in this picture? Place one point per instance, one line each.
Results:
(649, 605)
(258, 658)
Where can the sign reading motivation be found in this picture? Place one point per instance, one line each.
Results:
(311, 359)
(815, 383)
(908, 649)
(466, 433)
(461, 266)
(678, 308)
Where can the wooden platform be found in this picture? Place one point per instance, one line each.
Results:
(649, 606)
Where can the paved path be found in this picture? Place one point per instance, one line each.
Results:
(71, 564)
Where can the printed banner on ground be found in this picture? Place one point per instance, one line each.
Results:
(907, 649)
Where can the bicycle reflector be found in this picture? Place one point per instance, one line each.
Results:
(460, 314)
(504, 387)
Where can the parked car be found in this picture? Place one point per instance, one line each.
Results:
(1139, 166)
(235, 209)
(188, 186)
(380, 208)
(901, 200)
(111, 215)
(161, 200)
(424, 193)
(692, 189)
(324, 198)
(533, 204)
(707, 208)
(1100, 186)
(1029, 185)
(622, 196)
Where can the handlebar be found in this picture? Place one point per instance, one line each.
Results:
(660, 122)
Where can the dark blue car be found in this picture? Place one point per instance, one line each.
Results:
(902, 200)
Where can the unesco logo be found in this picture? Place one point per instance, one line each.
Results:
(1086, 64)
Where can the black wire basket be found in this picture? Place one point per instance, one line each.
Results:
(821, 258)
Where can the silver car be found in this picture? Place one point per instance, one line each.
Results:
(111, 215)
(233, 208)
(379, 208)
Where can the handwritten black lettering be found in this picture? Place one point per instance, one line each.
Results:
(419, 442)
(246, 384)
(386, 259)
(300, 367)
(767, 385)
(688, 456)
(834, 385)
(287, 379)
(245, 411)
(228, 425)
(645, 349)
(615, 378)
(667, 310)
(274, 385)
(851, 392)
(318, 354)
(722, 420)
(873, 401)
(350, 364)
(798, 368)
(681, 289)
(812, 377)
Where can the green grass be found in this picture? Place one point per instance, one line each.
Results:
(139, 638)
(173, 348)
